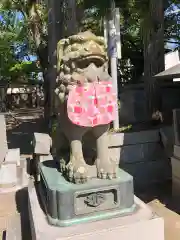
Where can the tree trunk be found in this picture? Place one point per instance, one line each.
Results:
(153, 52)
(54, 35)
(36, 27)
(42, 53)
(70, 17)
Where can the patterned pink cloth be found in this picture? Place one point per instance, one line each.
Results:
(91, 105)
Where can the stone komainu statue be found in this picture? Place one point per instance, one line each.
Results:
(84, 101)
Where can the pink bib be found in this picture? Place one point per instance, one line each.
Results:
(91, 105)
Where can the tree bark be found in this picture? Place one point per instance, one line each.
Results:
(70, 17)
(153, 53)
(36, 27)
(60, 14)
(54, 35)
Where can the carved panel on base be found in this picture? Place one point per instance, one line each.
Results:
(91, 201)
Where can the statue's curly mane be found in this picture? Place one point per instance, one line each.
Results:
(81, 58)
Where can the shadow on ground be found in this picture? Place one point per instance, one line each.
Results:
(22, 208)
(163, 194)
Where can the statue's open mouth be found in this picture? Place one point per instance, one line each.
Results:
(85, 61)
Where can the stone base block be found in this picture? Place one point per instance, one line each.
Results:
(175, 163)
(167, 138)
(141, 225)
(175, 187)
(42, 143)
(13, 177)
(3, 139)
(68, 204)
(13, 157)
(8, 175)
(176, 152)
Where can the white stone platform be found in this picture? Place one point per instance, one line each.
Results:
(142, 225)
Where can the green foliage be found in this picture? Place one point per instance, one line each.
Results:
(121, 129)
(33, 29)
(25, 67)
(10, 39)
(24, 71)
(15, 41)
(135, 16)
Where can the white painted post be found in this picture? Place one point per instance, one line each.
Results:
(112, 46)
(106, 30)
(118, 32)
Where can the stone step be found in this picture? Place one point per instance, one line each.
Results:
(175, 187)
(167, 134)
(22, 174)
(12, 175)
(176, 126)
(8, 176)
(175, 163)
(141, 225)
(13, 157)
(167, 138)
(3, 139)
(176, 151)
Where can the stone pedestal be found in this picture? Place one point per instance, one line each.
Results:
(99, 209)
(143, 224)
(67, 204)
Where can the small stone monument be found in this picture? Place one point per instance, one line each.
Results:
(72, 190)
(12, 165)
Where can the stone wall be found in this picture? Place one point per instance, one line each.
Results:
(133, 107)
(143, 156)
(133, 102)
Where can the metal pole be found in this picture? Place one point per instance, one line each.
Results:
(113, 57)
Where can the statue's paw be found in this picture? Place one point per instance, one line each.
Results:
(62, 165)
(76, 172)
(102, 174)
(106, 170)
